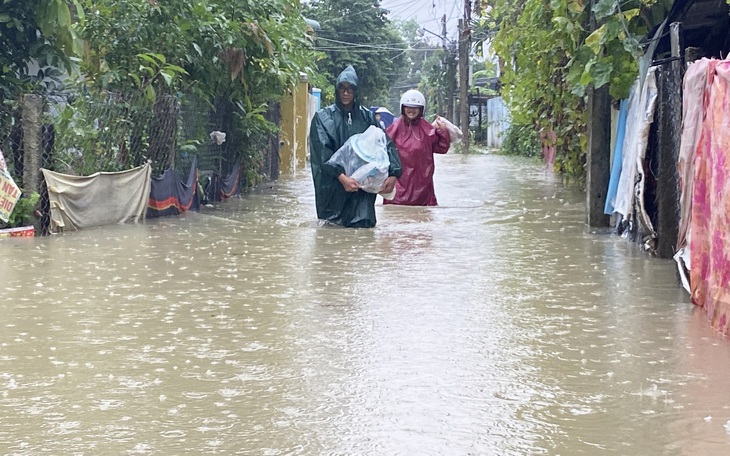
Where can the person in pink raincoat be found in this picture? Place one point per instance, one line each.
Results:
(416, 141)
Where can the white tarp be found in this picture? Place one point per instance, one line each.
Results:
(100, 199)
(640, 118)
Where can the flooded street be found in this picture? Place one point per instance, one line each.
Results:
(495, 324)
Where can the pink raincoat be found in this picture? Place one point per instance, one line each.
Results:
(416, 145)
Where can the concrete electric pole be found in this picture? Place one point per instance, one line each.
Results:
(464, 46)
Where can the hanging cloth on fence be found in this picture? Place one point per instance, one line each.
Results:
(618, 155)
(231, 184)
(710, 225)
(693, 104)
(217, 188)
(100, 199)
(171, 196)
(640, 118)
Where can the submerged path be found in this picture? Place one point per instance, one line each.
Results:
(495, 324)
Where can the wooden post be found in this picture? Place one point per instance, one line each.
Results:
(669, 137)
(32, 114)
(464, 80)
(598, 160)
(451, 82)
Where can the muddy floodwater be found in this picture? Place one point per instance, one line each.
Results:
(495, 324)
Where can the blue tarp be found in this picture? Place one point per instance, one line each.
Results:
(618, 152)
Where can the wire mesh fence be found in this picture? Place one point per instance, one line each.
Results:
(44, 215)
(11, 140)
(113, 131)
(81, 134)
(17, 137)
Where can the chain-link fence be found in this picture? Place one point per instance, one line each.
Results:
(114, 131)
(48, 133)
(11, 139)
(27, 141)
(81, 134)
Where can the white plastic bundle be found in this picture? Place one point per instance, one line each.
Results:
(454, 131)
(364, 157)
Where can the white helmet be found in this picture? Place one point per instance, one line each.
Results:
(414, 99)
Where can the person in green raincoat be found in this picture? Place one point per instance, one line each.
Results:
(338, 198)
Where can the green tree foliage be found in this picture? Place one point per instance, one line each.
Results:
(237, 55)
(521, 140)
(421, 47)
(35, 30)
(220, 43)
(38, 32)
(23, 212)
(550, 57)
(358, 33)
(484, 69)
(434, 83)
(425, 70)
(534, 74)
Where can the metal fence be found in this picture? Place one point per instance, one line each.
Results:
(81, 134)
(22, 129)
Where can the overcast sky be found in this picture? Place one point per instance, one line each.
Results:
(427, 13)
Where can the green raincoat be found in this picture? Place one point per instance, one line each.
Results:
(330, 129)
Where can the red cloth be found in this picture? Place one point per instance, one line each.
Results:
(416, 145)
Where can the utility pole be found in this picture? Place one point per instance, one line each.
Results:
(598, 157)
(444, 68)
(451, 84)
(464, 46)
(462, 73)
(450, 76)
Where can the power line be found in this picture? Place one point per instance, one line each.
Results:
(410, 6)
(383, 46)
(372, 48)
(369, 49)
(407, 3)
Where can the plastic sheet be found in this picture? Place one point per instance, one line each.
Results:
(455, 132)
(364, 157)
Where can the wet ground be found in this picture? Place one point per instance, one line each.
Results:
(495, 324)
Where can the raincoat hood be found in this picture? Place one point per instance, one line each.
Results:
(348, 76)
